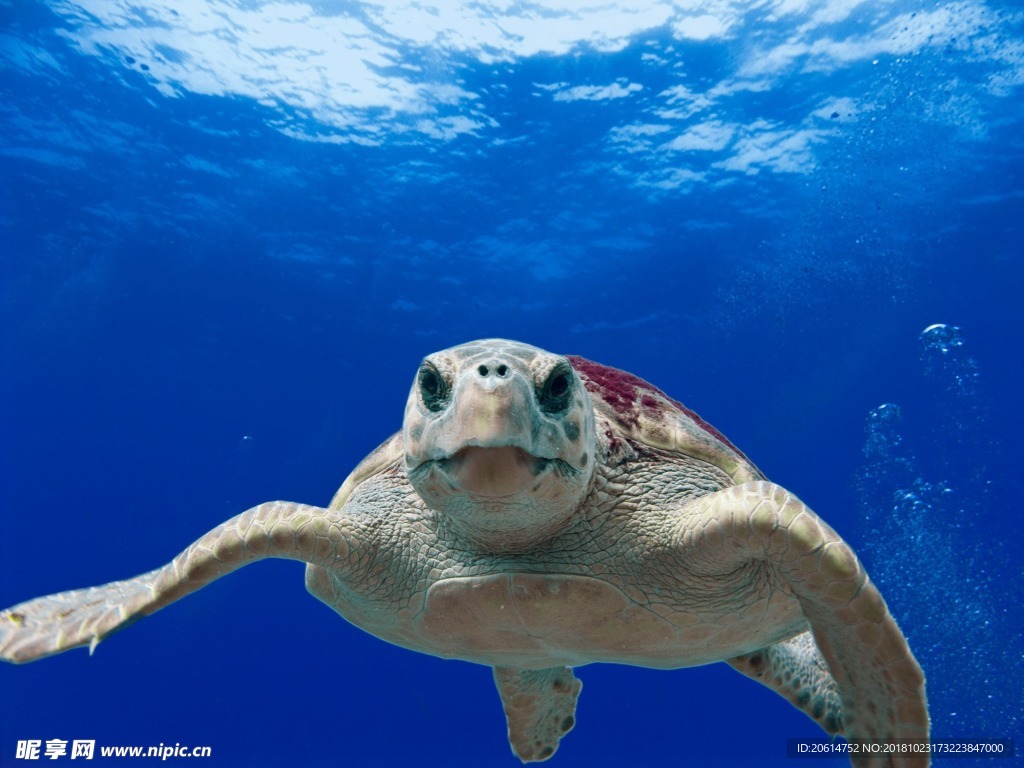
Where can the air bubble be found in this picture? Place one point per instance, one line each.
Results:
(925, 493)
(946, 360)
(942, 338)
(882, 429)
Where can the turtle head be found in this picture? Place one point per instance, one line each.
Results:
(499, 439)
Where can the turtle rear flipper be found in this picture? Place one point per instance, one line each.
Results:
(796, 670)
(55, 623)
(540, 705)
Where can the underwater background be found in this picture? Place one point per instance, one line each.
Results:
(229, 231)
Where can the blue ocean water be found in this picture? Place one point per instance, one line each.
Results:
(231, 229)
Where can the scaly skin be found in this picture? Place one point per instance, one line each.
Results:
(517, 525)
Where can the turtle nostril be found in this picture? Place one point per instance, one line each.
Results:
(501, 371)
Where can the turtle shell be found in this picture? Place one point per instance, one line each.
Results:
(385, 457)
(644, 413)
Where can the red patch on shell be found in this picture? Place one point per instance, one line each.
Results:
(628, 394)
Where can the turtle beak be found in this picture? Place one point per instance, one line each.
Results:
(483, 441)
(493, 472)
(489, 435)
(493, 415)
(490, 409)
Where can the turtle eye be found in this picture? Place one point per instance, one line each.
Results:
(433, 389)
(554, 395)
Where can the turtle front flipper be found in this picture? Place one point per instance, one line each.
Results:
(55, 623)
(796, 670)
(540, 705)
(880, 684)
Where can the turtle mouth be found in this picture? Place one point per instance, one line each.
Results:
(494, 471)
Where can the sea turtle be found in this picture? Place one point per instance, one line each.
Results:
(540, 512)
